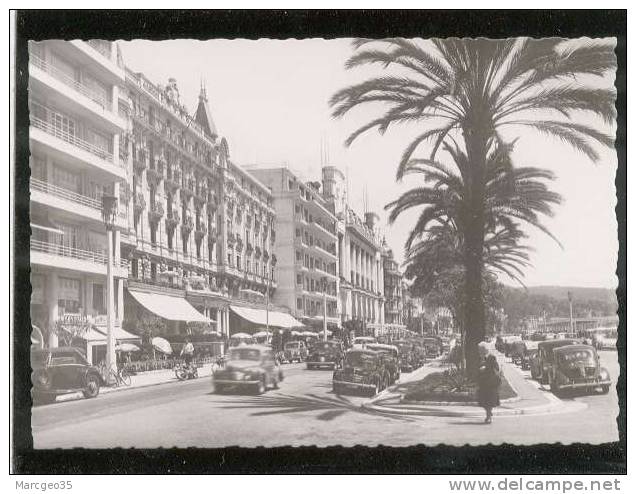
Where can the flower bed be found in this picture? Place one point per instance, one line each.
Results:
(450, 386)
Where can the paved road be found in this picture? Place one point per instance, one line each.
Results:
(304, 411)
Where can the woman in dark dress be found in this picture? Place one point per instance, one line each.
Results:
(488, 386)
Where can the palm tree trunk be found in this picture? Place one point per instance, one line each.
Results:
(476, 138)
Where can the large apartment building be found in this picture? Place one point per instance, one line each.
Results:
(74, 137)
(306, 249)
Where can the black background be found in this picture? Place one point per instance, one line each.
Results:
(200, 24)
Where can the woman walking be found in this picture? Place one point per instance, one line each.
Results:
(488, 386)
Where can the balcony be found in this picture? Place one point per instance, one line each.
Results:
(187, 226)
(46, 77)
(322, 250)
(139, 202)
(200, 231)
(49, 129)
(324, 230)
(53, 196)
(172, 220)
(156, 212)
(64, 257)
(97, 54)
(155, 172)
(172, 181)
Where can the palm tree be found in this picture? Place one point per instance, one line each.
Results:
(467, 91)
(438, 239)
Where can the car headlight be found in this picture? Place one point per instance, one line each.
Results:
(604, 374)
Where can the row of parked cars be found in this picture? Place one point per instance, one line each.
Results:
(564, 364)
(368, 367)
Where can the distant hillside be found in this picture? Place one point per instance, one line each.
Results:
(552, 301)
(578, 292)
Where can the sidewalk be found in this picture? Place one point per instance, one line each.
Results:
(530, 400)
(153, 378)
(142, 380)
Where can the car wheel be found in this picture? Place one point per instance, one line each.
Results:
(91, 389)
(605, 389)
(310, 367)
(336, 389)
(260, 387)
(218, 389)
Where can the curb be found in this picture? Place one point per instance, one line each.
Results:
(497, 412)
(172, 379)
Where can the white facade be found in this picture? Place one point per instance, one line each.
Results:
(306, 247)
(74, 135)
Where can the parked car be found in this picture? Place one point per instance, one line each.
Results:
(62, 370)
(391, 356)
(295, 350)
(508, 341)
(362, 341)
(499, 344)
(432, 347)
(362, 370)
(251, 367)
(409, 355)
(542, 365)
(532, 348)
(606, 340)
(578, 367)
(516, 351)
(326, 354)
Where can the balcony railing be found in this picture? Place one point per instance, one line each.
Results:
(48, 188)
(61, 76)
(73, 253)
(48, 126)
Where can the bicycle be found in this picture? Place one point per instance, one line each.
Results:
(116, 377)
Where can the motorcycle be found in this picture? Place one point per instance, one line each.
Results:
(184, 372)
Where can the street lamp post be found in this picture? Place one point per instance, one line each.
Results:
(324, 309)
(571, 318)
(109, 213)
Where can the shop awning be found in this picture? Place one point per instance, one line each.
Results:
(259, 316)
(168, 307)
(98, 333)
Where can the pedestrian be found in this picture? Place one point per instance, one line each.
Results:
(488, 383)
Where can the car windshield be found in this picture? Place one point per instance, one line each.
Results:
(294, 344)
(244, 354)
(576, 356)
(358, 359)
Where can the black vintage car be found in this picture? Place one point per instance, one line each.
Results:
(363, 370)
(578, 367)
(409, 360)
(62, 370)
(391, 356)
(541, 366)
(433, 347)
(325, 354)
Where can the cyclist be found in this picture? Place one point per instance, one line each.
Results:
(187, 352)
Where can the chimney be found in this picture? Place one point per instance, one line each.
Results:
(370, 220)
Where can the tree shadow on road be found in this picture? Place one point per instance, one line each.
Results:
(332, 407)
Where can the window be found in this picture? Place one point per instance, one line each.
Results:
(170, 237)
(153, 270)
(134, 268)
(297, 232)
(229, 259)
(153, 233)
(69, 295)
(290, 185)
(299, 256)
(198, 246)
(238, 262)
(299, 279)
(299, 303)
(65, 178)
(98, 298)
(248, 266)
(185, 244)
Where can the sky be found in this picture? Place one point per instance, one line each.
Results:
(269, 99)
